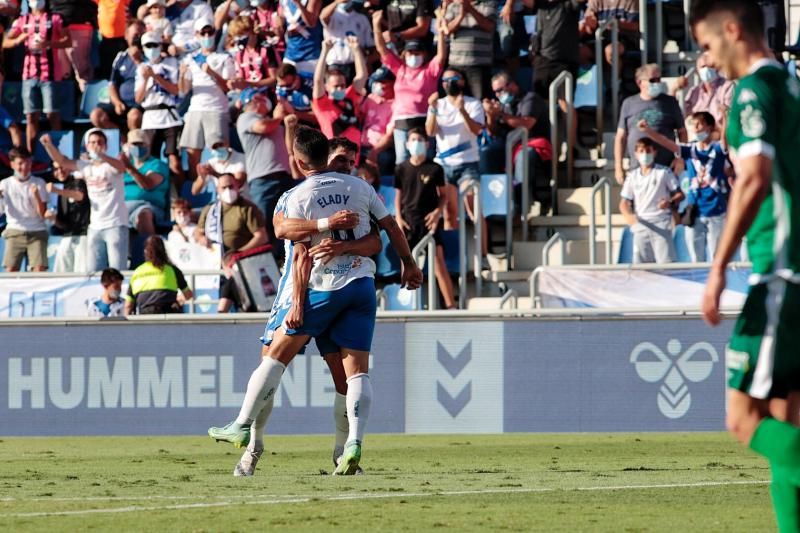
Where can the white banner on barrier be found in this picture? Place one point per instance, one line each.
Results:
(50, 297)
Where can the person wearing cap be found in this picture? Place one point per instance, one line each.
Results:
(156, 21)
(339, 19)
(156, 90)
(185, 38)
(122, 109)
(223, 160)
(205, 73)
(378, 132)
(108, 218)
(471, 24)
(266, 157)
(416, 79)
(146, 186)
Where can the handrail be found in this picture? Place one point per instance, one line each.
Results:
(600, 61)
(659, 32)
(533, 288)
(462, 241)
(606, 186)
(510, 295)
(643, 46)
(517, 135)
(565, 78)
(687, 29)
(427, 246)
(644, 32)
(549, 244)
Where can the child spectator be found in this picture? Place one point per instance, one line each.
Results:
(71, 221)
(183, 229)
(156, 21)
(110, 303)
(377, 135)
(24, 197)
(294, 98)
(707, 167)
(648, 193)
(255, 65)
(42, 34)
(341, 18)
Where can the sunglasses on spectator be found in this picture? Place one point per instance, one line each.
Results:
(655, 80)
(152, 45)
(502, 89)
(207, 31)
(451, 79)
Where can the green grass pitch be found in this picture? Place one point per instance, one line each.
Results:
(520, 482)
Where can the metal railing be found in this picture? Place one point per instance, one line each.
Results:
(599, 53)
(552, 241)
(565, 78)
(462, 242)
(605, 185)
(509, 296)
(427, 248)
(518, 135)
(644, 31)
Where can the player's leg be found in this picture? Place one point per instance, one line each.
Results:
(341, 426)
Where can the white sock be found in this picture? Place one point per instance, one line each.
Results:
(261, 388)
(359, 399)
(258, 427)
(341, 423)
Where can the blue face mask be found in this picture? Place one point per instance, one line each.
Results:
(207, 42)
(506, 98)
(708, 74)
(152, 54)
(283, 92)
(417, 148)
(137, 151)
(656, 89)
(220, 153)
(337, 94)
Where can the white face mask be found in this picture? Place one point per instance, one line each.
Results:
(229, 196)
(113, 294)
(645, 159)
(413, 60)
(20, 177)
(182, 220)
(708, 74)
(377, 89)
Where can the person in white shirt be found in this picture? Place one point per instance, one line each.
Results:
(108, 220)
(224, 160)
(25, 200)
(156, 21)
(205, 73)
(648, 194)
(456, 120)
(340, 19)
(192, 10)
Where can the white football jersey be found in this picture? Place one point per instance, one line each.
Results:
(321, 196)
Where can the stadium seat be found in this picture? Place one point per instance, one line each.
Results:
(586, 89)
(388, 194)
(494, 195)
(626, 247)
(387, 181)
(397, 298)
(681, 246)
(449, 240)
(387, 263)
(12, 99)
(63, 140)
(205, 197)
(96, 92)
(66, 100)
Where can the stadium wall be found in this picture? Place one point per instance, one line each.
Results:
(439, 375)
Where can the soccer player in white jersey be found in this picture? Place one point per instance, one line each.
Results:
(341, 298)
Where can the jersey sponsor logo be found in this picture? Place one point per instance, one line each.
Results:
(674, 370)
(736, 360)
(746, 96)
(331, 199)
(752, 122)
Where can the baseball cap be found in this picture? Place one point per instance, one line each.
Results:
(201, 23)
(156, 2)
(136, 137)
(150, 38)
(247, 95)
(414, 45)
(381, 74)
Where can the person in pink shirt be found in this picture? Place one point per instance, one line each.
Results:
(378, 133)
(713, 94)
(416, 81)
(43, 34)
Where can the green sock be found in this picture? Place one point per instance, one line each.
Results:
(785, 500)
(780, 443)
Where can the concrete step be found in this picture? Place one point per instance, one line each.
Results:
(574, 220)
(493, 304)
(528, 256)
(579, 201)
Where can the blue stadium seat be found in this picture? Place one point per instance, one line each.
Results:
(63, 140)
(96, 93)
(681, 246)
(586, 89)
(449, 240)
(12, 99)
(494, 195)
(399, 299)
(387, 263)
(387, 181)
(66, 100)
(626, 247)
(388, 194)
(205, 197)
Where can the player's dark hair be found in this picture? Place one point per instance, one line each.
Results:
(18, 152)
(109, 276)
(313, 146)
(155, 252)
(344, 143)
(705, 117)
(286, 70)
(746, 12)
(644, 142)
(418, 131)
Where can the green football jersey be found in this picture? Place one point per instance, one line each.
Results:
(764, 120)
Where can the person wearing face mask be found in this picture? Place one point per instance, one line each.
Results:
(660, 110)
(206, 74)
(340, 19)
(377, 135)
(714, 93)
(190, 11)
(335, 104)
(223, 160)
(471, 24)
(647, 197)
(420, 203)
(24, 197)
(708, 168)
(293, 96)
(255, 65)
(235, 223)
(414, 79)
(156, 90)
(108, 225)
(71, 221)
(110, 303)
(122, 109)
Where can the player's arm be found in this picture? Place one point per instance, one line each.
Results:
(663, 140)
(411, 276)
(366, 246)
(300, 229)
(301, 273)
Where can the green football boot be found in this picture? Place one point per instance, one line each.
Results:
(348, 464)
(236, 434)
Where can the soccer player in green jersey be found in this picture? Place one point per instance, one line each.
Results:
(763, 357)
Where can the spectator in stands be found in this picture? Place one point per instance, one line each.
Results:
(156, 286)
(266, 157)
(554, 45)
(340, 19)
(294, 98)
(146, 186)
(71, 221)
(660, 110)
(335, 104)
(42, 34)
(256, 65)
(415, 79)
(79, 17)
(303, 33)
(343, 155)
(713, 94)
(156, 21)
(708, 168)
(183, 231)
(515, 109)
(512, 36)
(157, 92)
(420, 204)
(191, 11)
(407, 20)
(205, 73)
(266, 20)
(112, 19)
(123, 110)
(456, 120)
(648, 194)
(377, 135)
(234, 223)
(368, 173)
(7, 122)
(627, 14)
(110, 303)
(470, 25)
(108, 219)
(24, 197)
(224, 160)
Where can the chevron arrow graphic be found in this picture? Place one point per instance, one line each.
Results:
(454, 365)
(454, 406)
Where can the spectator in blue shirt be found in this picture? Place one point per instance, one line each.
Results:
(110, 303)
(303, 33)
(707, 168)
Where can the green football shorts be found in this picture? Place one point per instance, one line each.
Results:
(763, 356)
